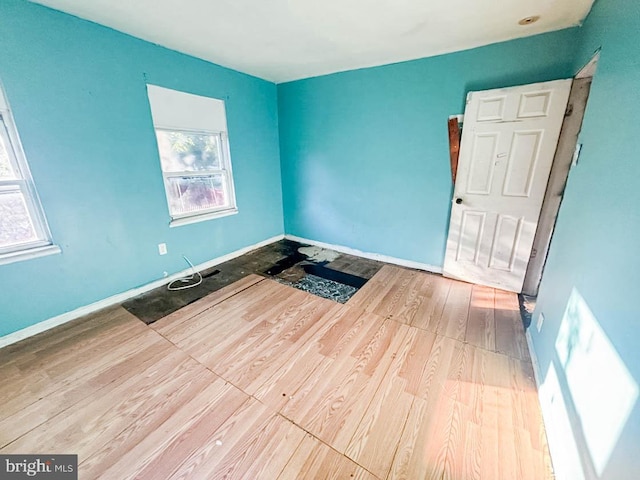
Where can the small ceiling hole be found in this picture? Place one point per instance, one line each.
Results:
(529, 20)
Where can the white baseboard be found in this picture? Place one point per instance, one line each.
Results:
(134, 292)
(121, 297)
(372, 256)
(534, 359)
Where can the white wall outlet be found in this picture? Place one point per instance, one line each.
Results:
(162, 248)
(540, 322)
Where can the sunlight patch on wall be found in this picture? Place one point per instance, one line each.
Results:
(602, 389)
(562, 444)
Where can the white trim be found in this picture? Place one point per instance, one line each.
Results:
(28, 254)
(202, 217)
(459, 117)
(372, 256)
(589, 70)
(25, 179)
(534, 358)
(121, 297)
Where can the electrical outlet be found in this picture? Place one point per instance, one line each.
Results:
(540, 322)
(162, 248)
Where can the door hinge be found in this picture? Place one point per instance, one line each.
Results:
(569, 110)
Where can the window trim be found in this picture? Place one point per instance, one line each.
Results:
(24, 184)
(225, 170)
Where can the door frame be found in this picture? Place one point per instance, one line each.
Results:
(565, 157)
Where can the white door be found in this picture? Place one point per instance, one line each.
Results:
(509, 139)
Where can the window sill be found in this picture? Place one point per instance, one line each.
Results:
(37, 252)
(177, 222)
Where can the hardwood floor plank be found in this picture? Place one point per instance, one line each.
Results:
(53, 341)
(100, 417)
(481, 326)
(375, 440)
(422, 449)
(220, 320)
(473, 444)
(184, 314)
(453, 322)
(372, 292)
(273, 335)
(34, 414)
(45, 362)
(416, 362)
(441, 372)
(20, 393)
(314, 460)
(341, 326)
(429, 313)
(333, 403)
(172, 441)
(237, 447)
(402, 299)
(270, 365)
(510, 337)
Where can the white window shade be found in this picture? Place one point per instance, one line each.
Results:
(172, 109)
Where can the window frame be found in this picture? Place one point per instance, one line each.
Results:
(180, 111)
(225, 170)
(22, 183)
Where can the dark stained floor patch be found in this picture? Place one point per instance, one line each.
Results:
(337, 280)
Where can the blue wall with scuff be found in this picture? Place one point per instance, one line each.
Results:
(78, 95)
(595, 244)
(359, 159)
(365, 153)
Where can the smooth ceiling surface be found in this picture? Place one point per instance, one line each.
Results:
(282, 40)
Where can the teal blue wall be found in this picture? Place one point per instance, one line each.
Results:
(364, 159)
(365, 155)
(365, 164)
(595, 245)
(78, 96)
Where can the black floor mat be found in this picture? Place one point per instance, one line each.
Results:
(320, 270)
(325, 288)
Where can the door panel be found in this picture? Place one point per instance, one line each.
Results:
(505, 243)
(521, 166)
(507, 147)
(471, 231)
(534, 104)
(491, 109)
(481, 168)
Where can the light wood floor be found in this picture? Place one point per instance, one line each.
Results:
(415, 377)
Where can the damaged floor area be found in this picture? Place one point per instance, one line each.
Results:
(415, 377)
(326, 273)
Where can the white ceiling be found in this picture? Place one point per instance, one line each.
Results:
(282, 40)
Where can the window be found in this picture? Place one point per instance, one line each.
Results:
(191, 132)
(23, 230)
